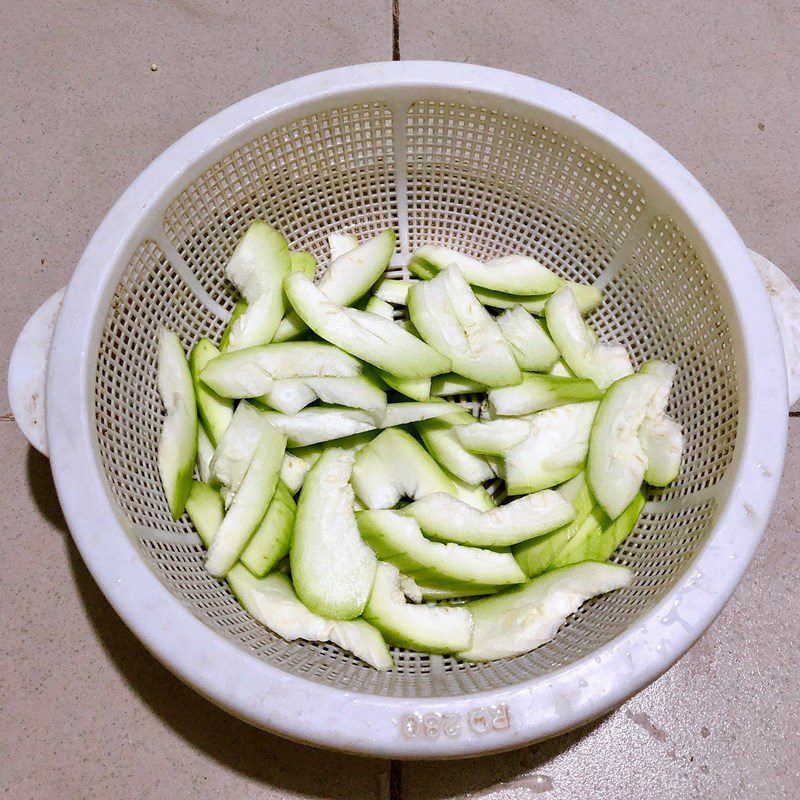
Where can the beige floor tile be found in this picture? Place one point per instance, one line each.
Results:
(722, 724)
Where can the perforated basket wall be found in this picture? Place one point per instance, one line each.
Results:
(473, 178)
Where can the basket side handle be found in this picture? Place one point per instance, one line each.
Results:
(27, 371)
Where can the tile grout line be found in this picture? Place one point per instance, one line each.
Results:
(395, 780)
(395, 30)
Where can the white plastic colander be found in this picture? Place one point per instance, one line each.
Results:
(487, 162)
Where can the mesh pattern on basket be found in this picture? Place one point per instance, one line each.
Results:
(484, 182)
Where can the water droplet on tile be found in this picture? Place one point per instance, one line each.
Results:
(705, 732)
(540, 783)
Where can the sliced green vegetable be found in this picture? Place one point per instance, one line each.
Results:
(238, 310)
(514, 274)
(177, 445)
(449, 317)
(205, 452)
(530, 343)
(395, 465)
(540, 392)
(598, 543)
(290, 395)
(251, 372)
(393, 291)
(205, 510)
(348, 278)
(303, 262)
(447, 519)
(293, 472)
(536, 555)
(399, 540)
(554, 451)
(250, 502)
(431, 629)
(324, 423)
(587, 297)
(443, 444)
(236, 448)
(375, 339)
(332, 569)
(660, 436)
(521, 619)
(341, 243)
(257, 268)
(617, 461)
(271, 541)
(272, 601)
(452, 384)
(215, 412)
(493, 437)
(584, 354)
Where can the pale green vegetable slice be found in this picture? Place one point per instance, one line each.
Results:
(408, 413)
(475, 496)
(332, 569)
(430, 594)
(448, 316)
(272, 601)
(443, 444)
(250, 502)
(290, 395)
(251, 372)
(177, 444)
(660, 436)
(204, 507)
(205, 452)
(530, 343)
(257, 268)
(561, 370)
(377, 340)
(239, 309)
(215, 412)
(452, 384)
(493, 437)
(521, 619)
(587, 297)
(321, 424)
(598, 542)
(416, 389)
(293, 472)
(514, 274)
(540, 392)
(270, 543)
(236, 448)
(399, 540)
(393, 291)
(395, 465)
(348, 278)
(430, 629)
(447, 519)
(553, 452)
(303, 262)
(341, 243)
(584, 354)
(617, 462)
(536, 555)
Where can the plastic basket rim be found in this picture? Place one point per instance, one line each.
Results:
(329, 716)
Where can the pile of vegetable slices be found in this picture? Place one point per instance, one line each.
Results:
(342, 495)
